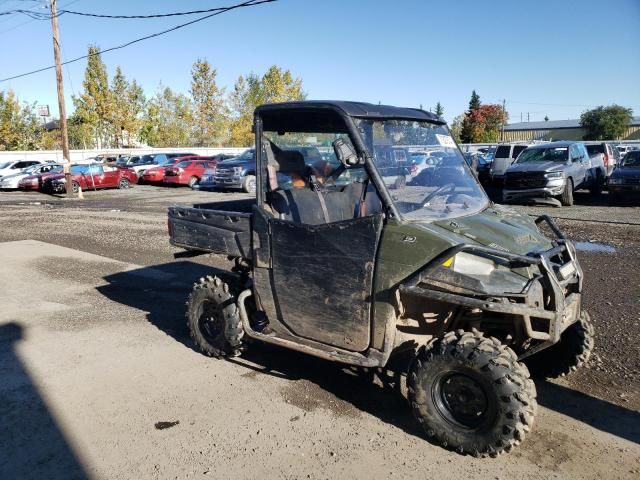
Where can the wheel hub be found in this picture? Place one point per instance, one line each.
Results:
(461, 399)
(211, 322)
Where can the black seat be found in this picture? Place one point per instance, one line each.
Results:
(310, 204)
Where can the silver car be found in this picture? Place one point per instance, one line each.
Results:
(11, 181)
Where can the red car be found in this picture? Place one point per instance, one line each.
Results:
(156, 174)
(187, 172)
(35, 181)
(94, 177)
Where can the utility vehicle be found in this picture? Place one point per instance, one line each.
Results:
(355, 267)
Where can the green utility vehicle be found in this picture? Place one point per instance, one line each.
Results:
(335, 259)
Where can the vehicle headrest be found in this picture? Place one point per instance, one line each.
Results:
(290, 162)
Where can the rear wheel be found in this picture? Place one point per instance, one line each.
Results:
(192, 181)
(124, 183)
(471, 394)
(596, 188)
(213, 318)
(566, 198)
(249, 184)
(75, 187)
(570, 353)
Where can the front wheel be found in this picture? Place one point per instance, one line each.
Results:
(124, 183)
(570, 353)
(249, 184)
(470, 394)
(566, 198)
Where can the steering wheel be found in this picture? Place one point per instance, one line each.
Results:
(446, 189)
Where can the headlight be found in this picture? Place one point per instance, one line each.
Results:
(553, 175)
(615, 181)
(467, 264)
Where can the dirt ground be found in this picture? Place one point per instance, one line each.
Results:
(100, 379)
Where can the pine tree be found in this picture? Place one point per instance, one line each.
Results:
(474, 103)
(95, 104)
(439, 109)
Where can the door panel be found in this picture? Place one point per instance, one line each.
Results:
(323, 276)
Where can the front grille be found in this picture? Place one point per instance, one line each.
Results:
(525, 180)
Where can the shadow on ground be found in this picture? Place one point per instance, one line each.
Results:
(378, 393)
(32, 443)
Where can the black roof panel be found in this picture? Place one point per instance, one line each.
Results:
(355, 109)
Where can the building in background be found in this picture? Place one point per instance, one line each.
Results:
(559, 130)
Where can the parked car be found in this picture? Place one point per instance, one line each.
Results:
(609, 154)
(394, 163)
(156, 174)
(551, 170)
(12, 181)
(15, 166)
(37, 181)
(623, 149)
(94, 177)
(624, 182)
(186, 172)
(237, 172)
(504, 156)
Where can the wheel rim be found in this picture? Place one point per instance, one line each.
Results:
(461, 400)
(123, 183)
(251, 186)
(193, 181)
(210, 323)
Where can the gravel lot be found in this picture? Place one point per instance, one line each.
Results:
(100, 354)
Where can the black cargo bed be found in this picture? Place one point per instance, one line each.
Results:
(219, 227)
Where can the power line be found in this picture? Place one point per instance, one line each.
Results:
(249, 3)
(47, 16)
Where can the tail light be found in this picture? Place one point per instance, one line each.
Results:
(605, 157)
(413, 168)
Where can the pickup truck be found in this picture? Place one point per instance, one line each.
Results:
(336, 259)
(552, 172)
(238, 172)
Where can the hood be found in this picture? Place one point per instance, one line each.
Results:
(237, 163)
(14, 175)
(501, 228)
(549, 166)
(621, 172)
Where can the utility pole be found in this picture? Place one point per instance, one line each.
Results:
(61, 107)
(528, 117)
(504, 106)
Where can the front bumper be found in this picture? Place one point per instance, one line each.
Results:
(557, 307)
(548, 191)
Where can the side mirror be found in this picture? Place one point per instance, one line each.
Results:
(345, 152)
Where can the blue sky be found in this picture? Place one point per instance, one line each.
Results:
(545, 57)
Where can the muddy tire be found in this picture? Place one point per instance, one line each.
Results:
(249, 184)
(570, 353)
(213, 318)
(470, 394)
(566, 198)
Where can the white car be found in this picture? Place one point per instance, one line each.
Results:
(11, 181)
(15, 166)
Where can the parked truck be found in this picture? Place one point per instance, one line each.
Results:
(553, 171)
(345, 264)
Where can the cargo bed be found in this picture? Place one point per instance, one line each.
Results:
(219, 227)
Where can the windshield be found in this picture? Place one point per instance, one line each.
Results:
(560, 154)
(246, 155)
(447, 190)
(632, 159)
(80, 169)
